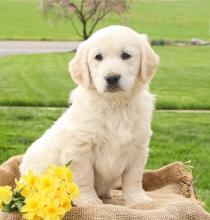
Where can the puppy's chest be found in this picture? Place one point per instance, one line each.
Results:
(115, 143)
(118, 128)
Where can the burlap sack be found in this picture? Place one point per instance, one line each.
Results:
(170, 187)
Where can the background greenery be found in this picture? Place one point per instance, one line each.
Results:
(177, 137)
(182, 81)
(173, 20)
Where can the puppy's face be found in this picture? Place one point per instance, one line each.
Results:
(113, 63)
(113, 59)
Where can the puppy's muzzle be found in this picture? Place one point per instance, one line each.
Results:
(112, 81)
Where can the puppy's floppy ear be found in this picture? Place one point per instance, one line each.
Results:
(149, 60)
(78, 66)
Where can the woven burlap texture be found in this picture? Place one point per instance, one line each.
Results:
(170, 187)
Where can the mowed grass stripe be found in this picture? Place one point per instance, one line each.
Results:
(182, 80)
(176, 137)
(35, 80)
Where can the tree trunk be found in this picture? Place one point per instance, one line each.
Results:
(85, 35)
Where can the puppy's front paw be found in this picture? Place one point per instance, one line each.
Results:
(87, 200)
(135, 198)
(106, 195)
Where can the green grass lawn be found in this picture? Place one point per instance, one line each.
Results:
(173, 20)
(36, 80)
(182, 81)
(177, 137)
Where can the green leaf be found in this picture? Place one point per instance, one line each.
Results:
(16, 199)
(69, 163)
(13, 206)
(7, 208)
(19, 205)
(17, 194)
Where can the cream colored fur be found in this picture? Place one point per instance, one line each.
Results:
(106, 134)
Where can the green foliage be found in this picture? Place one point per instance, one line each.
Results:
(183, 78)
(35, 80)
(169, 20)
(176, 137)
(20, 127)
(182, 81)
(68, 163)
(16, 204)
(183, 137)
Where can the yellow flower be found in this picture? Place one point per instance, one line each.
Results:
(62, 172)
(47, 183)
(19, 185)
(65, 203)
(5, 195)
(53, 211)
(31, 216)
(30, 179)
(33, 207)
(60, 192)
(73, 190)
(36, 217)
(47, 196)
(26, 191)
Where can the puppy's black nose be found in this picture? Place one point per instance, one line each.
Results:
(112, 79)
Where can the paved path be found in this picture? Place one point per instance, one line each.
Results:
(32, 47)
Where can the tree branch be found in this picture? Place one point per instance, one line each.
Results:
(88, 13)
(75, 27)
(82, 5)
(79, 13)
(93, 11)
(96, 22)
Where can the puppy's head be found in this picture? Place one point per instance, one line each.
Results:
(113, 60)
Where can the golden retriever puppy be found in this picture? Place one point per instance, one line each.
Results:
(106, 131)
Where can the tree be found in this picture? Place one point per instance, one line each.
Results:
(88, 12)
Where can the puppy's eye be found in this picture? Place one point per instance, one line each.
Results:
(99, 57)
(125, 56)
